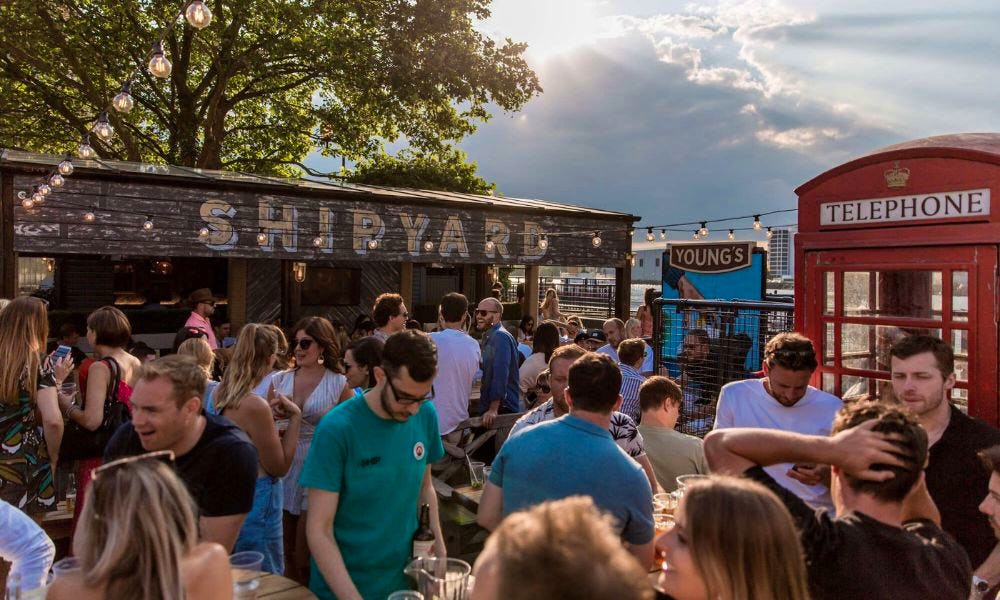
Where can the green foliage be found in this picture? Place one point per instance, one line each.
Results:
(263, 85)
(445, 170)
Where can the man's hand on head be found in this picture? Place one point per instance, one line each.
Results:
(859, 449)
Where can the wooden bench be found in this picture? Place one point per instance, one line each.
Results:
(458, 455)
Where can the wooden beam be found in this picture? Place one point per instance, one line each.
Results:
(623, 292)
(406, 284)
(237, 292)
(531, 289)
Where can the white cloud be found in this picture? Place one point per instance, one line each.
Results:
(798, 138)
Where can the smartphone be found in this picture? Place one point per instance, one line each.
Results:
(61, 352)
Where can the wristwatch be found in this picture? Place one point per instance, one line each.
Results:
(979, 586)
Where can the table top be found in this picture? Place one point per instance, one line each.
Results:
(469, 496)
(276, 587)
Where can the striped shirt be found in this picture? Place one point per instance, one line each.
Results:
(631, 380)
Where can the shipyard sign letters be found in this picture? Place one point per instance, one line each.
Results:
(917, 207)
(711, 258)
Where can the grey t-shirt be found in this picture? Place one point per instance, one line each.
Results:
(673, 453)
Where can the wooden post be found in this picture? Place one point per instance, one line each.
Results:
(237, 292)
(8, 259)
(406, 284)
(623, 292)
(468, 283)
(531, 288)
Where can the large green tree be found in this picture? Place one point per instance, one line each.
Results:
(266, 83)
(447, 169)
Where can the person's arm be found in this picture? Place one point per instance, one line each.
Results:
(323, 544)
(275, 453)
(643, 553)
(855, 450)
(221, 530)
(989, 570)
(647, 467)
(429, 496)
(52, 422)
(26, 546)
(490, 507)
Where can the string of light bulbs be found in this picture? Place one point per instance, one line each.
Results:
(198, 15)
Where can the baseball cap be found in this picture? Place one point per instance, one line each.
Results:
(580, 336)
(596, 334)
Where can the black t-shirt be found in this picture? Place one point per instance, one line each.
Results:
(856, 556)
(957, 482)
(220, 471)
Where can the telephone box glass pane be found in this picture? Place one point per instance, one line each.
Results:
(907, 294)
(830, 293)
(828, 382)
(867, 346)
(960, 343)
(960, 295)
(960, 398)
(828, 344)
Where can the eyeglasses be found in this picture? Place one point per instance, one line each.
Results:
(166, 456)
(406, 400)
(483, 313)
(304, 343)
(208, 302)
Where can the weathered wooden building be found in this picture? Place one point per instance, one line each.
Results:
(135, 234)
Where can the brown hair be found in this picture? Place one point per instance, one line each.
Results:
(912, 448)
(743, 541)
(594, 383)
(413, 349)
(24, 329)
(110, 327)
(386, 307)
(320, 329)
(990, 458)
(912, 345)
(569, 352)
(185, 374)
(565, 549)
(656, 390)
(630, 351)
(792, 351)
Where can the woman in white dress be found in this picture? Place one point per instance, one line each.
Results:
(316, 384)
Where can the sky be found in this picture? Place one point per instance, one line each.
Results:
(684, 111)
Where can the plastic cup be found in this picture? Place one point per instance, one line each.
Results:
(663, 524)
(684, 480)
(664, 503)
(405, 595)
(245, 568)
(486, 474)
(66, 566)
(476, 477)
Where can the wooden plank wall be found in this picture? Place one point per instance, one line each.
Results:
(263, 296)
(86, 283)
(376, 278)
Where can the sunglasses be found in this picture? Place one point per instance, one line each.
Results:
(483, 313)
(407, 400)
(208, 302)
(304, 343)
(165, 456)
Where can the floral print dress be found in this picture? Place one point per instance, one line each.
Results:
(25, 471)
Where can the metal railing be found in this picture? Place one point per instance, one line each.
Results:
(706, 344)
(586, 297)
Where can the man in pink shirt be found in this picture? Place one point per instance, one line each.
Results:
(203, 306)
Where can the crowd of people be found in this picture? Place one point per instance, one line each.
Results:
(317, 448)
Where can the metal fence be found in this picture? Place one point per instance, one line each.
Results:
(706, 344)
(586, 297)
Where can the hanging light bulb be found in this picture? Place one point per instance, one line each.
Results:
(103, 129)
(543, 242)
(649, 234)
(44, 189)
(203, 232)
(372, 244)
(261, 237)
(21, 195)
(37, 197)
(56, 180)
(198, 14)
(159, 65)
(490, 245)
(428, 246)
(596, 240)
(631, 260)
(732, 235)
(66, 166)
(317, 241)
(85, 150)
(123, 101)
(28, 203)
(703, 231)
(88, 217)
(769, 234)
(756, 223)
(695, 237)
(148, 223)
(663, 235)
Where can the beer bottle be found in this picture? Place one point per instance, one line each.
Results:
(423, 537)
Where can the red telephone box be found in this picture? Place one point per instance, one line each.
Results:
(903, 241)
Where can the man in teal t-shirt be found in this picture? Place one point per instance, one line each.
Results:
(368, 471)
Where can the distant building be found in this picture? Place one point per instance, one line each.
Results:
(780, 255)
(648, 267)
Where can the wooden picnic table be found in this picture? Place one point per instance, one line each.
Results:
(58, 523)
(468, 496)
(276, 587)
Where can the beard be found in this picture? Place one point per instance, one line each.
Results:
(398, 416)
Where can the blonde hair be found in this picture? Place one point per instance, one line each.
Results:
(743, 541)
(251, 360)
(283, 361)
(565, 549)
(137, 525)
(633, 323)
(24, 328)
(200, 351)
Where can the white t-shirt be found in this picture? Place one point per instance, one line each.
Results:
(458, 360)
(747, 404)
(610, 351)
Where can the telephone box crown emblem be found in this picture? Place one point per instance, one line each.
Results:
(896, 177)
